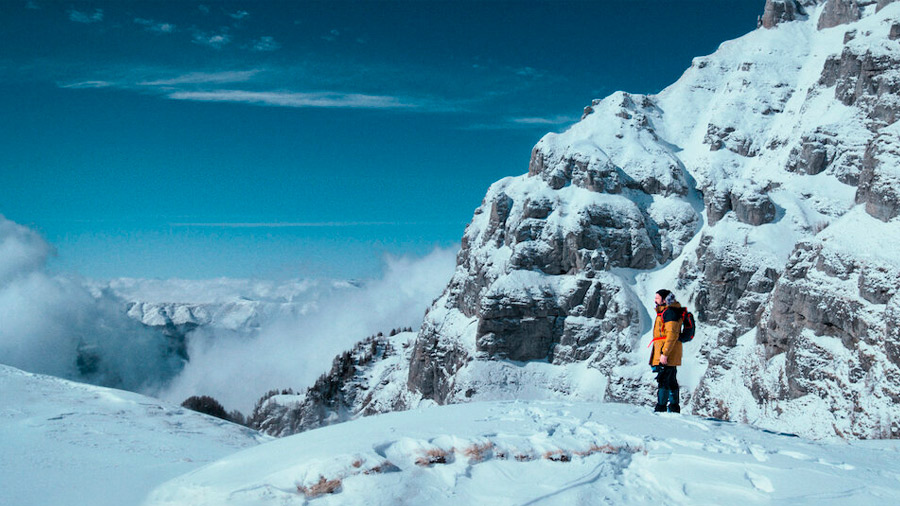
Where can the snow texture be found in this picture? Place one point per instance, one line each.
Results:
(69, 443)
(532, 452)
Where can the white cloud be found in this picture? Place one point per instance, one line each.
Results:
(321, 224)
(292, 353)
(231, 76)
(239, 14)
(54, 325)
(555, 120)
(525, 122)
(296, 99)
(155, 26)
(82, 85)
(266, 44)
(204, 9)
(31, 4)
(83, 17)
(214, 40)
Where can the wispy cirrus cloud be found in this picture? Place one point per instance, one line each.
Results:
(297, 99)
(317, 224)
(86, 18)
(84, 85)
(554, 120)
(536, 122)
(224, 77)
(271, 86)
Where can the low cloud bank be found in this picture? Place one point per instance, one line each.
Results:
(64, 326)
(52, 324)
(293, 352)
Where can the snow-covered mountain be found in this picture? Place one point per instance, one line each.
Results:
(69, 443)
(540, 452)
(763, 187)
(239, 305)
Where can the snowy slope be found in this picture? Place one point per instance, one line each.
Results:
(66, 443)
(517, 452)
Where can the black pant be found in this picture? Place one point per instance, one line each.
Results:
(666, 378)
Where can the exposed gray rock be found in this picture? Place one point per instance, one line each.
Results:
(879, 184)
(717, 201)
(533, 325)
(892, 331)
(825, 151)
(839, 12)
(752, 205)
(878, 284)
(882, 4)
(731, 282)
(815, 153)
(779, 11)
(894, 34)
(726, 137)
(434, 361)
(800, 303)
(343, 393)
(867, 79)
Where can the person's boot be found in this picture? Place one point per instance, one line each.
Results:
(674, 408)
(659, 408)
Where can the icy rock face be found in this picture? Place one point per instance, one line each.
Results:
(779, 11)
(879, 185)
(762, 187)
(828, 337)
(343, 393)
(839, 12)
(531, 282)
(868, 76)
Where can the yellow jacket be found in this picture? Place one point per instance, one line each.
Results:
(666, 330)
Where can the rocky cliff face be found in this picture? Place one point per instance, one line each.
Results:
(747, 187)
(345, 392)
(762, 187)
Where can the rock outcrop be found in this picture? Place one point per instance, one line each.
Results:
(343, 393)
(532, 281)
(839, 12)
(879, 184)
(779, 11)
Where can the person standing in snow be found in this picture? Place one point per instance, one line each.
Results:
(666, 354)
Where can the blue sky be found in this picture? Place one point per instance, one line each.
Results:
(294, 139)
